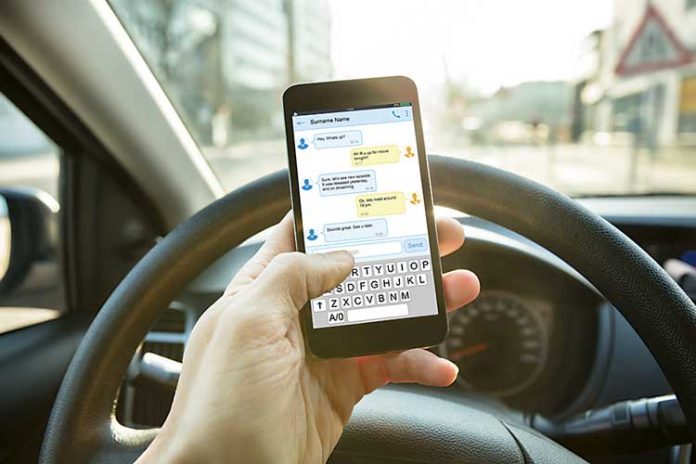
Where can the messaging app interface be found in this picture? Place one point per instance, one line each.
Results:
(361, 191)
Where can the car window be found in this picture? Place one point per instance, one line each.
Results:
(591, 97)
(31, 289)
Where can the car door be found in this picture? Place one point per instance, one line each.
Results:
(72, 224)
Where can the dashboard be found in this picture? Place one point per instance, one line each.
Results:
(500, 342)
(539, 339)
(530, 339)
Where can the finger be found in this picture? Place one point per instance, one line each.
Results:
(280, 240)
(301, 277)
(411, 366)
(450, 235)
(460, 287)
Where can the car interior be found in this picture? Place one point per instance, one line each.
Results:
(142, 163)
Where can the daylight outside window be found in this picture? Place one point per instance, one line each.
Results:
(590, 97)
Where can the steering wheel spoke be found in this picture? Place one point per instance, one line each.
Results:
(123, 444)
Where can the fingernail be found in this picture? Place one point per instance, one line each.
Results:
(456, 369)
(449, 364)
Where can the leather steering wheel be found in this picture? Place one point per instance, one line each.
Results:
(389, 423)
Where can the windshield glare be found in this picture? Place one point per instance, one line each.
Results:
(591, 97)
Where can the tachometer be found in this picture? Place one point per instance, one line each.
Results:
(499, 343)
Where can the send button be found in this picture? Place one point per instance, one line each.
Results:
(413, 245)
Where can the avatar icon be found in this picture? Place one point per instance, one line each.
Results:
(312, 235)
(414, 199)
(306, 184)
(409, 152)
(303, 144)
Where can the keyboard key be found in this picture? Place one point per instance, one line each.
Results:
(350, 287)
(357, 300)
(387, 282)
(366, 271)
(390, 268)
(410, 280)
(336, 317)
(334, 303)
(381, 298)
(421, 279)
(346, 302)
(398, 281)
(425, 265)
(393, 297)
(378, 269)
(362, 285)
(383, 312)
(318, 305)
(339, 290)
(413, 266)
(355, 272)
(405, 295)
(369, 299)
(402, 267)
(374, 284)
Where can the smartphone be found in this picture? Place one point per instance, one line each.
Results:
(359, 181)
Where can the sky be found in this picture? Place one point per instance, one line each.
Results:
(483, 43)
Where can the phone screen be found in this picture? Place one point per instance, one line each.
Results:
(361, 190)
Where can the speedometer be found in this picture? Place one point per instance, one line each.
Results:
(499, 343)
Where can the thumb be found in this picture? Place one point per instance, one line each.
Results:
(301, 277)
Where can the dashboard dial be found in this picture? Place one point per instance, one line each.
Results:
(499, 343)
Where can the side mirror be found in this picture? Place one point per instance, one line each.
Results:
(28, 233)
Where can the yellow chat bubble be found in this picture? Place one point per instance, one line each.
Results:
(380, 204)
(367, 156)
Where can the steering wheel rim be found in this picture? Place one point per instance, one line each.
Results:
(82, 426)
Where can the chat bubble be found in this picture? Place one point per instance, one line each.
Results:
(341, 183)
(337, 139)
(367, 156)
(355, 230)
(380, 204)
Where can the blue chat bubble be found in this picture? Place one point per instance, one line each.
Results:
(338, 139)
(356, 230)
(341, 183)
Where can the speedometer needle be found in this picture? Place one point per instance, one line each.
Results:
(469, 350)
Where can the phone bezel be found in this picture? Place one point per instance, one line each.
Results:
(379, 336)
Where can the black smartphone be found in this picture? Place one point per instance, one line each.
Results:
(359, 181)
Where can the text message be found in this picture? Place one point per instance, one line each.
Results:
(337, 139)
(380, 204)
(341, 183)
(356, 230)
(366, 156)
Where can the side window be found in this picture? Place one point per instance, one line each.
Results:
(31, 278)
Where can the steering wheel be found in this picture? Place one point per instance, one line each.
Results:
(395, 424)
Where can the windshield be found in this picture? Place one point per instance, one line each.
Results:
(591, 97)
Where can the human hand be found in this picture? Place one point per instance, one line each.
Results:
(249, 393)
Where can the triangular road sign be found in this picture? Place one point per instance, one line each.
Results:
(653, 47)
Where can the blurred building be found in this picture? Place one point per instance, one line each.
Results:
(225, 63)
(530, 112)
(641, 75)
